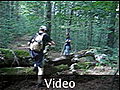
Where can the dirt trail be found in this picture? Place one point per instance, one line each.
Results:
(98, 83)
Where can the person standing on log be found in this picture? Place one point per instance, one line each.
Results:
(67, 46)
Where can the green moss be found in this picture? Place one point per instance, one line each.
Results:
(62, 67)
(80, 65)
(21, 53)
(17, 71)
(7, 53)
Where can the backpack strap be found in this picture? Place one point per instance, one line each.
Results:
(42, 35)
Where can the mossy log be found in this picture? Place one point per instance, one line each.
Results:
(21, 58)
(61, 60)
(9, 58)
(57, 64)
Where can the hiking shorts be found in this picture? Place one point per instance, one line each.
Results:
(38, 57)
(66, 50)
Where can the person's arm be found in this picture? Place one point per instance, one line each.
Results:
(31, 40)
(49, 40)
(51, 43)
(68, 40)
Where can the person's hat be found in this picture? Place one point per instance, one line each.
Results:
(43, 28)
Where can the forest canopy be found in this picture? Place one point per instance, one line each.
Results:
(91, 23)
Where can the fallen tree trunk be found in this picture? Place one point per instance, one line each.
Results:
(63, 63)
(14, 58)
(61, 60)
(11, 58)
(21, 58)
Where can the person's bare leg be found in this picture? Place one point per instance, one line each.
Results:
(40, 79)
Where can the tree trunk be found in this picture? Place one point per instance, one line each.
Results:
(48, 16)
(90, 31)
(111, 35)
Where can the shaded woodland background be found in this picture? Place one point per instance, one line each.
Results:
(91, 23)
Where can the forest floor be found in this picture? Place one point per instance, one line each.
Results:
(82, 83)
(99, 78)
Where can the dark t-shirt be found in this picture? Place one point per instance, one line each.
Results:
(46, 39)
(67, 43)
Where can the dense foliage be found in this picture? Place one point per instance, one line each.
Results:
(91, 23)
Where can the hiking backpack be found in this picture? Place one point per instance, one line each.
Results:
(37, 42)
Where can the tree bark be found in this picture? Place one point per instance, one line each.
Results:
(48, 16)
(111, 35)
(90, 31)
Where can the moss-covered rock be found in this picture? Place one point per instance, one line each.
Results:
(62, 67)
(10, 57)
(21, 53)
(7, 53)
(83, 65)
